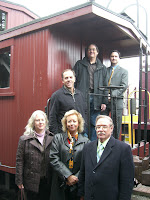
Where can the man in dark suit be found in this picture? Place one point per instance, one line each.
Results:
(117, 76)
(106, 173)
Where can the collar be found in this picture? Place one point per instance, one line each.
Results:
(85, 62)
(114, 67)
(41, 134)
(92, 63)
(70, 136)
(69, 90)
(104, 143)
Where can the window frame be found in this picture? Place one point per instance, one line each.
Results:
(9, 91)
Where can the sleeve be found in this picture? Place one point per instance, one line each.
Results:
(105, 83)
(81, 184)
(75, 68)
(53, 114)
(20, 162)
(123, 83)
(87, 141)
(85, 114)
(55, 160)
(126, 181)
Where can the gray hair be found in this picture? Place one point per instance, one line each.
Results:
(106, 117)
(29, 129)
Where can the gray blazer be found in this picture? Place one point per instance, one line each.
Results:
(119, 78)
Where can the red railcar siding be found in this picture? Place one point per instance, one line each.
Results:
(16, 18)
(39, 59)
(30, 87)
(16, 14)
(63, 52)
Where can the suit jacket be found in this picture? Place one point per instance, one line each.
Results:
(112, 177)
(119, 78)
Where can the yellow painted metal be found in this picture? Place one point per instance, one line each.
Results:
(127, 119)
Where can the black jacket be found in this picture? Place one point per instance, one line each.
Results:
(112, 177)
(100, 79)
(61, 102)
(59, 158)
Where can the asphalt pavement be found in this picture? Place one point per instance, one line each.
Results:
(138, 197)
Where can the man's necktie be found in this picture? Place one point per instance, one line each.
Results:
(100, 150)
(111, 76)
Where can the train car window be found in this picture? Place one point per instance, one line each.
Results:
(2, 20)
(5, 69)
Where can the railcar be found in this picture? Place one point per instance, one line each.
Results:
(33, 55)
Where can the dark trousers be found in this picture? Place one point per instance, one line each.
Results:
(117, 119)
(43, 194)
(93, 115)
(71, 194)
(116, 116)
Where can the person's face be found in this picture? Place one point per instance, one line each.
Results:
(114, 58)
(39, 123)
(103, 129)
(68, 79)
(72, 123)
(92, 52)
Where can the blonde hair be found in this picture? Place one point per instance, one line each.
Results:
(80, 120)
(106, 117)
(29, 129)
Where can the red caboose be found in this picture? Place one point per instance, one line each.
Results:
(34, 55)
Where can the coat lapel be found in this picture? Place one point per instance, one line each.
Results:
(65, 136)
(107, 151)
(80, 140)
(35, 143)
(69, 155)
(48, 140)
(116, 71)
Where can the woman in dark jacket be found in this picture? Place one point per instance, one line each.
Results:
(65, 157)
(33, 170)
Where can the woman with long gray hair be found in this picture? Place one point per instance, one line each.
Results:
(33, 171)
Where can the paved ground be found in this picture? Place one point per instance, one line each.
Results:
(11, 196)
(137, 197)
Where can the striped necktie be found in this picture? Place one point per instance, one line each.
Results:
(100, 150)
(111, 76)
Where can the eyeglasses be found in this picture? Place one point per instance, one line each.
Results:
(104, 127)
(91, 49)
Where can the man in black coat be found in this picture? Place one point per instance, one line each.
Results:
(65, 99)
(106, 173)
(91, 74)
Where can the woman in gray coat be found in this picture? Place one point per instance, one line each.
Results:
(33, 170)
(65, 157)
